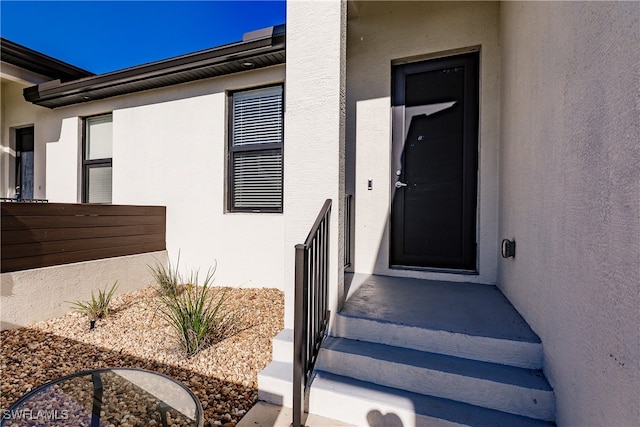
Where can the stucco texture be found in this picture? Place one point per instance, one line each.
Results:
(16, 113)
(30, 296)
(570, 196)
(314, 134)
(170, 149)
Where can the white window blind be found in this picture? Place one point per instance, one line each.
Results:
(256, 149)
(97, 161)
(99, 137)
(258, 179)
(99, 184)
(257, 116)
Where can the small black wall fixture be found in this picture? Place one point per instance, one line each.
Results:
(508, 248)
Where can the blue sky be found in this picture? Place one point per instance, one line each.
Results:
(103, 36)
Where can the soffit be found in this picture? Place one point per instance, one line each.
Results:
(266, 50)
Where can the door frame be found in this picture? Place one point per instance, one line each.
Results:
(18, 178)
(471, 152)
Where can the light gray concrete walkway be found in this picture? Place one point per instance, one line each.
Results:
(268, 415)
(466, 308)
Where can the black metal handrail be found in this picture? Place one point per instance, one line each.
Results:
(348, 198)
(311, 315)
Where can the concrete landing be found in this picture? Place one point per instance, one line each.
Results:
(267, 415)
(464, 308)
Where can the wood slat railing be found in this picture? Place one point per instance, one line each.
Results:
(35, 235)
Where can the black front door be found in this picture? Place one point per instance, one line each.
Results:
(435, 163)
(24, 163)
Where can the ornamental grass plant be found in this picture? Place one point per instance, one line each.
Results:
(98, 307)
(196, 313)
(168, 278)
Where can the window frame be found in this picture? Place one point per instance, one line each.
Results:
(232, 150)
(88, 164)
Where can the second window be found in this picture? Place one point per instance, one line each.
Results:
(97, 159)
(255, 150)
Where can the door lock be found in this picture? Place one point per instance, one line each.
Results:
(400, 184)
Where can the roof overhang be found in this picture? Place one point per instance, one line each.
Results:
(36, 62)
(13, 73)
(258, 49)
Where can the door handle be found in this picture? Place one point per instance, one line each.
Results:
(400, 184)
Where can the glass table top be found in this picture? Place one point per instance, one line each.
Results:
(118, 397)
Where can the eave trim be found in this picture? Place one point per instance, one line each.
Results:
(212, 62)
(39, 63)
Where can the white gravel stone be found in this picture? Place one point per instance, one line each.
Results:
(223, 375)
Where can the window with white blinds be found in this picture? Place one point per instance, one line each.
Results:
(97, 159)
(99, 184)
(255, 150)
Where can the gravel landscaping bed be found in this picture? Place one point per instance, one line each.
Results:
(223, 376)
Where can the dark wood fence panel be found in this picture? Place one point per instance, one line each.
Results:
(42, 235)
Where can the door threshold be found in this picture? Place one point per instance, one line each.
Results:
(435, 270)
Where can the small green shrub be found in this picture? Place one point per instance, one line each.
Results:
(168, 279)
(197, 315)
(98, 307)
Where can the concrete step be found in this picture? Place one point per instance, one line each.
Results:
(363, 403)
(264, 414)
(504, 388)
(518, 353)
(283, 346)
(275, 383)
(415, 352)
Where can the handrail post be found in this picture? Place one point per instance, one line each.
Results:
(299, 336)
(347, 229)
(311, 314)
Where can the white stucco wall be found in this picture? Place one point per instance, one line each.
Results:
(17, 113)
(382, 33)
(570, 196)
(43, 293)
(64, 154)
(169, 148)
(314, 134)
